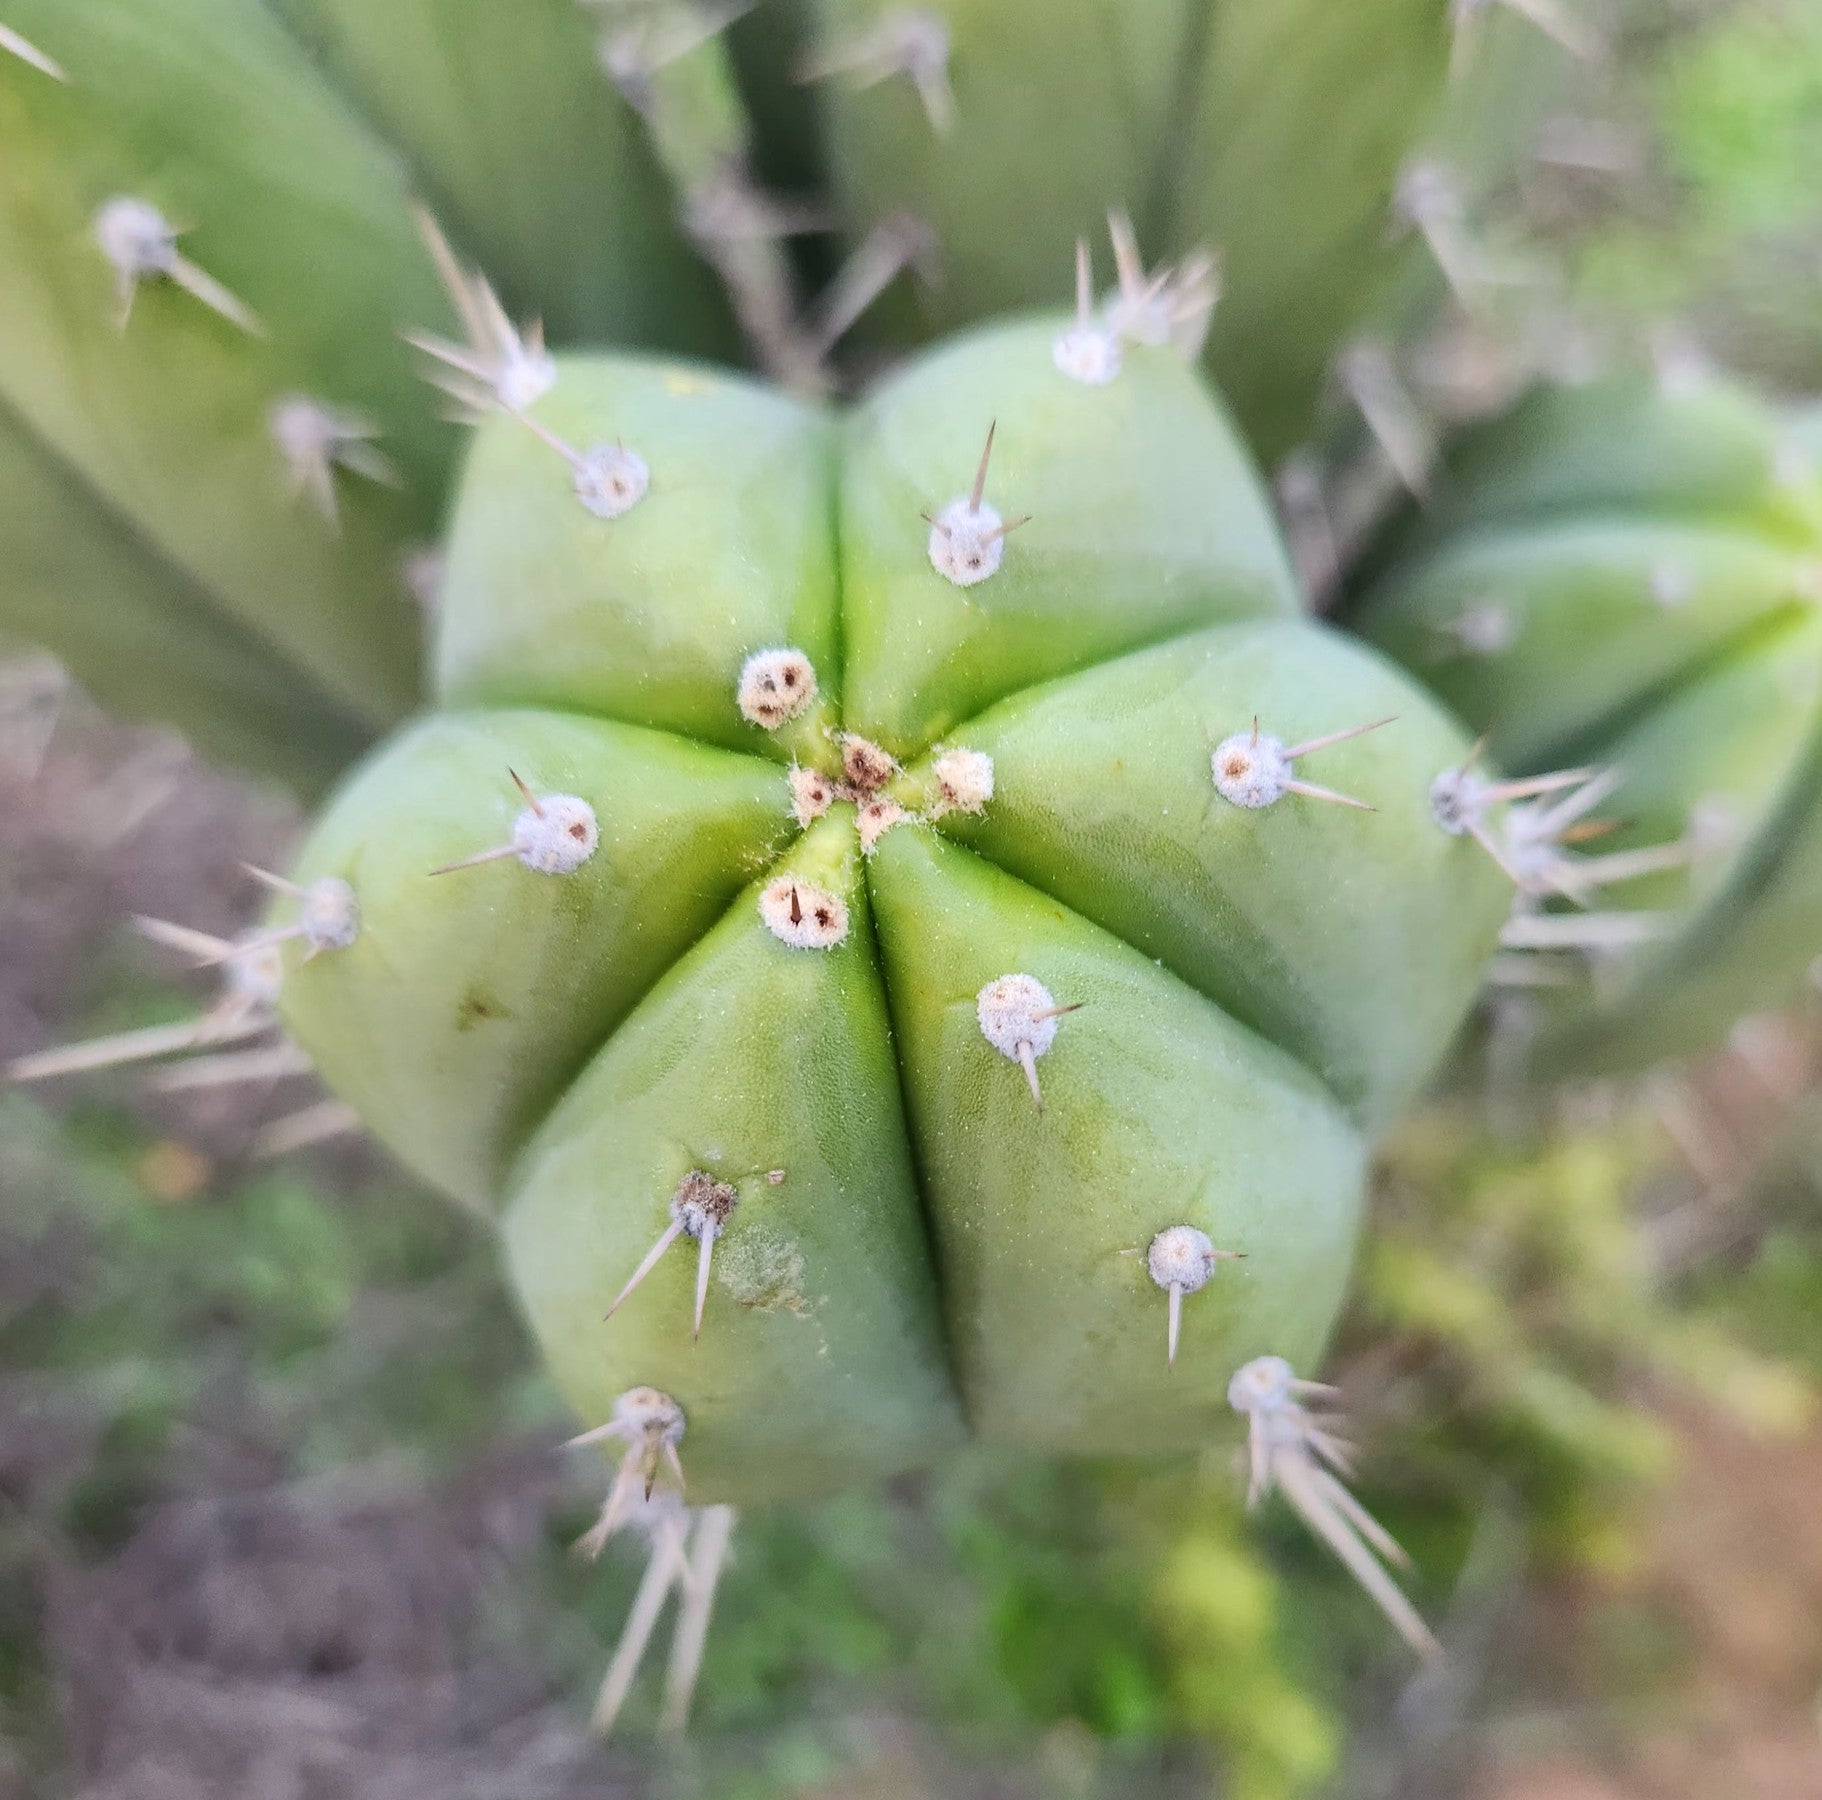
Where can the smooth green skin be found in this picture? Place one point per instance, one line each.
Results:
(1353, 939)
(207, 109)
(1570, 513)
(543, 607)
(984, 1260)
(533, 160)
(1147, 519)
(82, 582)
(483, 992)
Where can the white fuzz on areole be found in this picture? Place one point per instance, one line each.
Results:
(1169, 307)
(803, 915)
(315, 439)
(499, 366)
(1251, 770)
(967, 542)
(964, 780)
(875, 818)
(1019, 1018)
(1294, 1451)
(1458, 801)
(812, 794)
(968, 537)
(252, 980)
(1182, 1257)
(775, 685)
(611, 480)
(1088, 352)
(864, 765)
(140, 244)
(329, 914)
(135, 237)
(557, 835)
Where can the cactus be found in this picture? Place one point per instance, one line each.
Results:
(930, 814)
(237, 181)
(1623, 577)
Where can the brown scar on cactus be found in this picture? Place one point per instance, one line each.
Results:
(803, 915)
(499, 367)
(1252, 770)
(1181, 1259)
(908, 41)
(1018, 1016)
(1293, 1450)
(1089, 351)
(555, 835)
(316, 439)
(968, 537)
(775, 686)
(140, 244)
(14, 44)
(700, 1206)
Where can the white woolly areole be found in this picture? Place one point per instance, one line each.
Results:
(557, 836)
(523, 375)
(254, 979)
(812, 794)
(136, 237)
(1007, 1009)
(775, 685)
(329, 915)
(967, 543)
(875, 819)
(1262, 1385)
(802, 915)
(611, 480)
(701, 1203)
(1458, 801)
(646, 1411)
(309, 431)
(1484, 629)
(1180, 1256)
(1251, 769)
(1089, 354)
(964, 778)
(866, 766)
